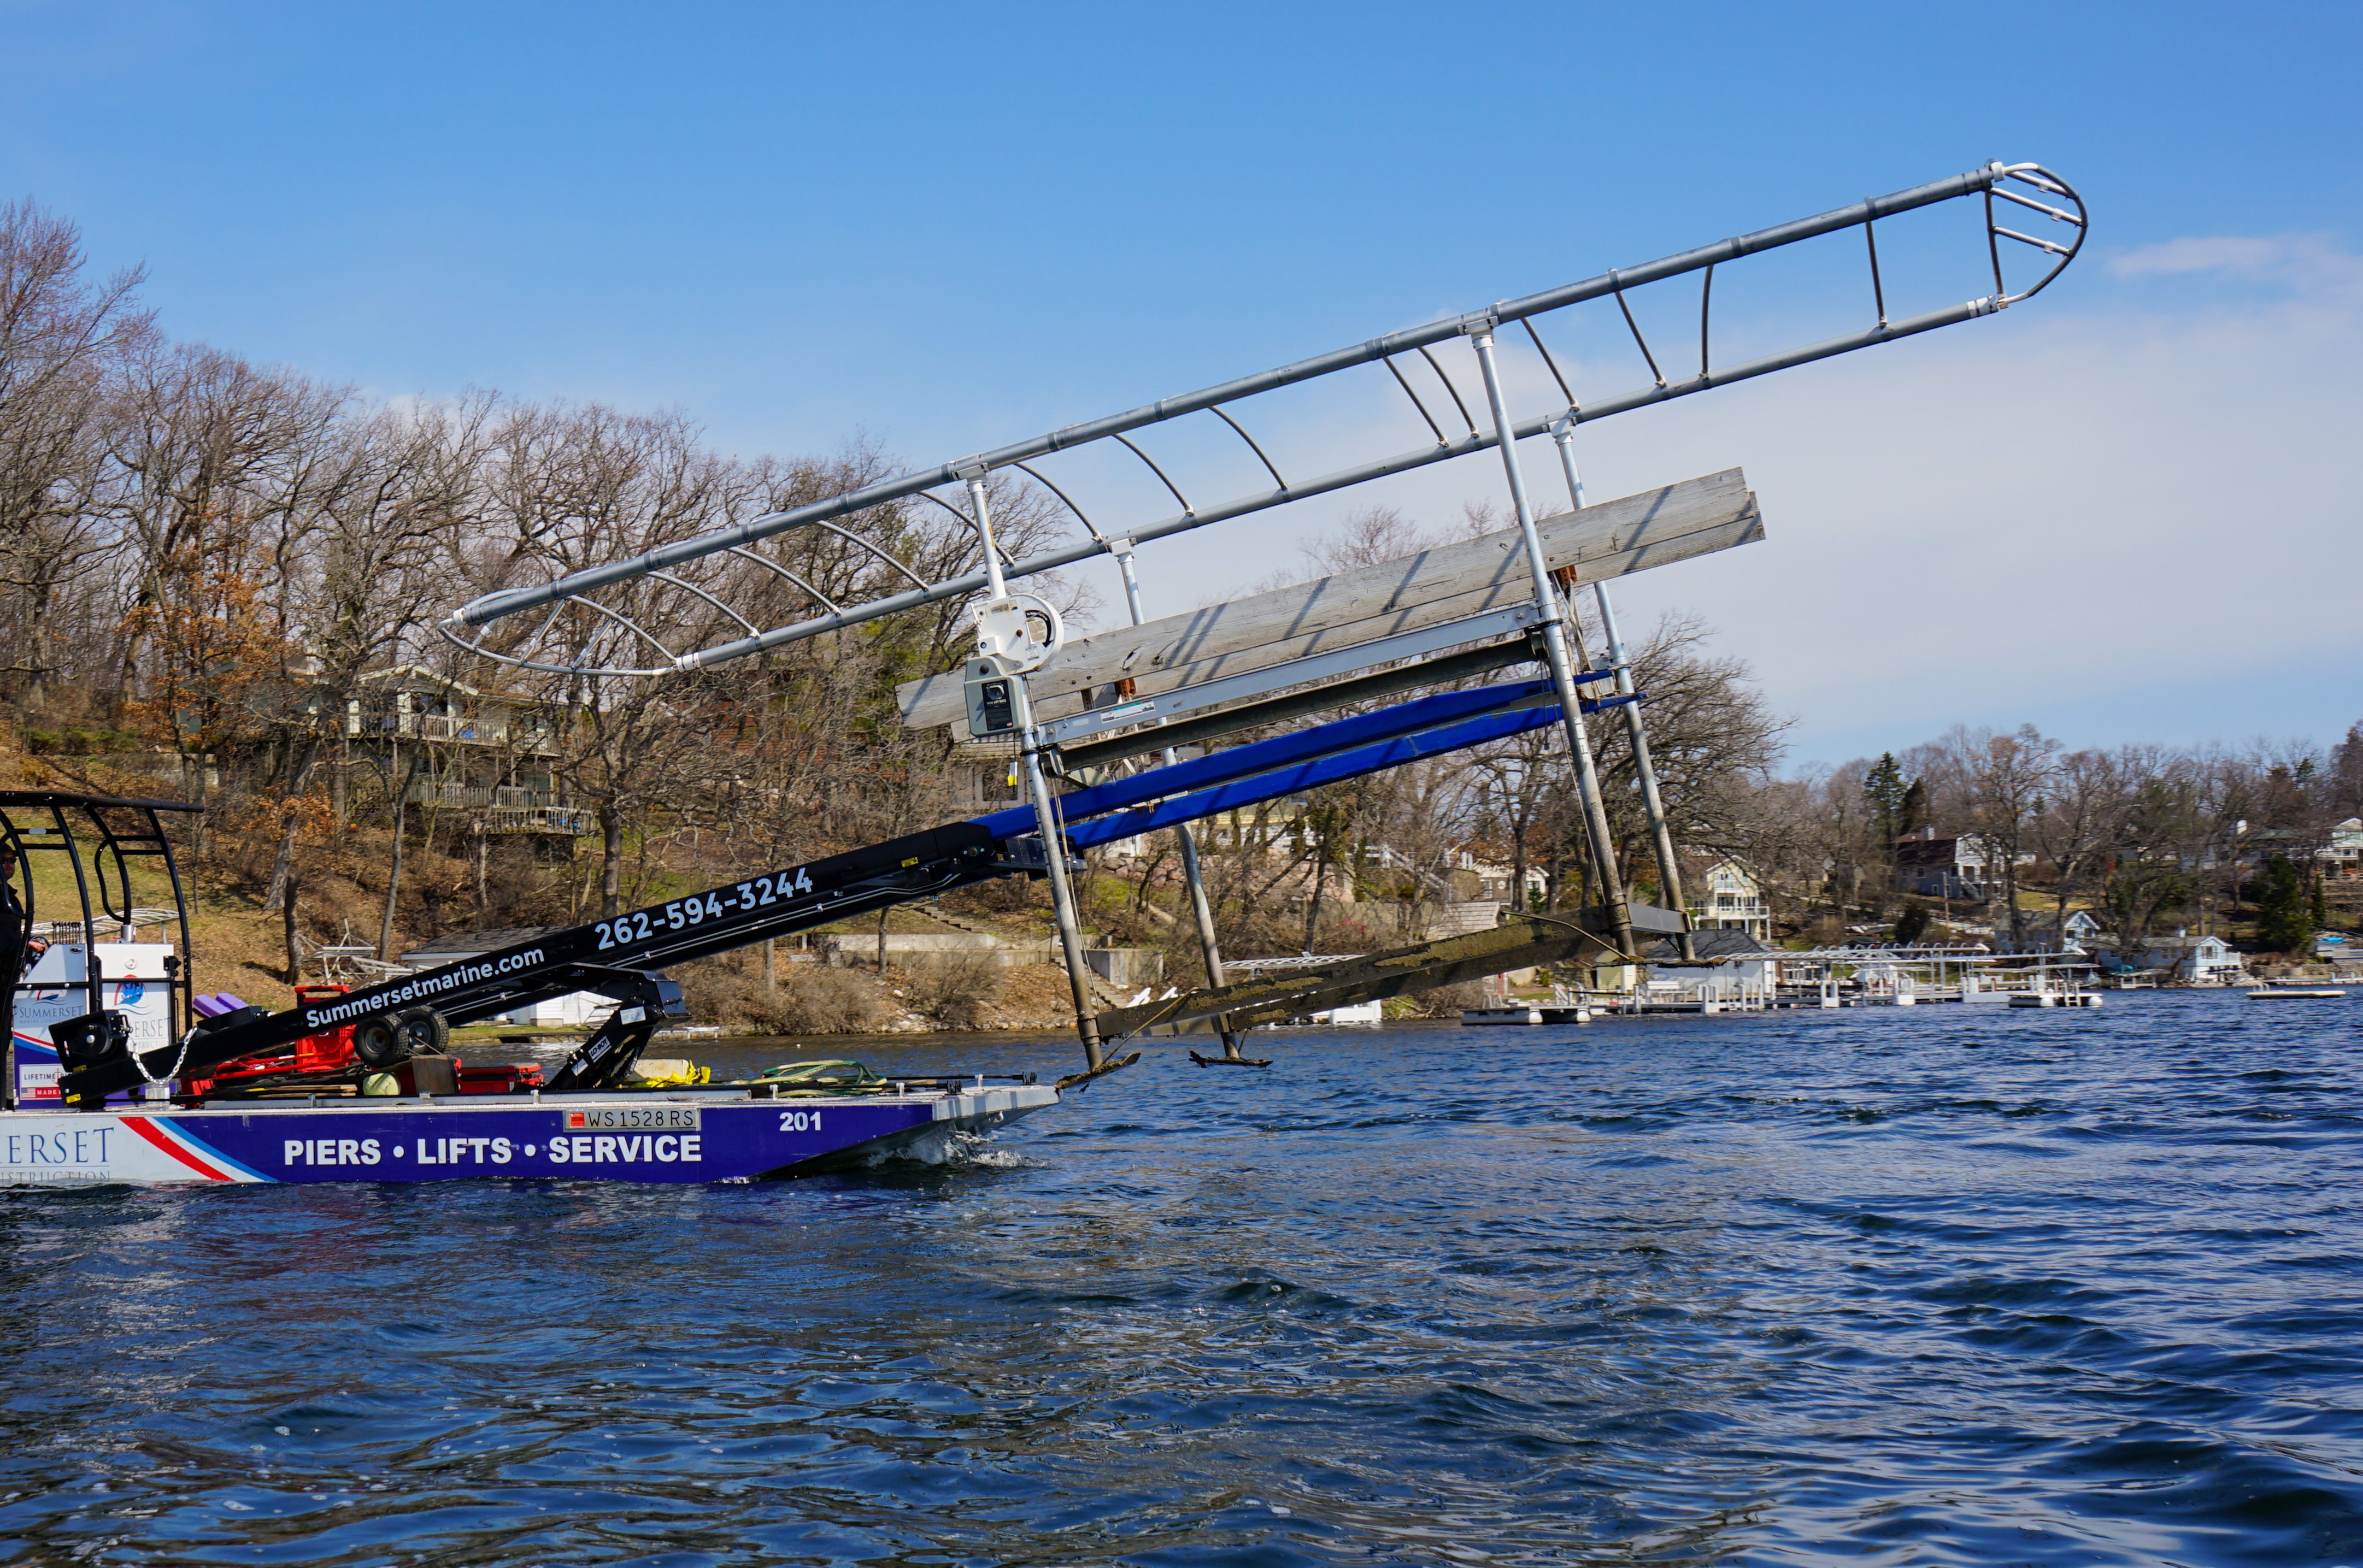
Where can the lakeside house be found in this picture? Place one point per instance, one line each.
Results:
(1726, 894)
(1966, 867)
(486, 754)
(2080, 932)
(2343, 856)
(2194, 960)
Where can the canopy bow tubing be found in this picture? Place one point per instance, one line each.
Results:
(713, 590)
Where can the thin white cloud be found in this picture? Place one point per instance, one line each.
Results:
(2130, 525)
(2308, 264)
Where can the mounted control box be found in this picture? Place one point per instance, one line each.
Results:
(992, 699)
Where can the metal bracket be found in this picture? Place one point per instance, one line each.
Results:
(1019, 632)
(643, 1003)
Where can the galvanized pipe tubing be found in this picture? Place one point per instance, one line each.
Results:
(1201, 911)
(1046, 815)
(1562, 670)
(1661, 838)
(494, 606)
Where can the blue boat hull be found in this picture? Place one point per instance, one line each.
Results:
(642, 1137)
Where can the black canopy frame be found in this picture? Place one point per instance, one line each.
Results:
(117, 832)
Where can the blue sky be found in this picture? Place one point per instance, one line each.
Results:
(2120, 513)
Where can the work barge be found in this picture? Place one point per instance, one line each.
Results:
(122, 1070)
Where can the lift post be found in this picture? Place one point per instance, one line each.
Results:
(1016, 654)
(1661, 838)
(1610, 885)
(1202, 912)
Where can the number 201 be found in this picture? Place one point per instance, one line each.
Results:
(800, 1122)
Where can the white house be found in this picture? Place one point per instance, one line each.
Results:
(2194, 960)
(2343, 856)
(1726, 895)
(2080, 932)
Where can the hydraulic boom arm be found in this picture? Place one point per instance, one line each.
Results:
(605, 955)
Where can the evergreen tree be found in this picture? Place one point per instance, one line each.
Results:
(1884, 787)
(2287, 925)
(1913, 814)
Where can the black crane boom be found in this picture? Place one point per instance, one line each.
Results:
(733, 915)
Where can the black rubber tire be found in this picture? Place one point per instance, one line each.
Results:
(378, 1041)
(424, 1031)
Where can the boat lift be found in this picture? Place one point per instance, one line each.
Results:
(1024, 682)
(1494, 603)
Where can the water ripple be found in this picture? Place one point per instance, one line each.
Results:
(1925, 1287)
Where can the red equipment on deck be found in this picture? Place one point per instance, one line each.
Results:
(330, 1055)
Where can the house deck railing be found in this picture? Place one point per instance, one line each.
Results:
(508, 809)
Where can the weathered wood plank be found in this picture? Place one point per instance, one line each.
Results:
(1659, 553)
(1632, 534)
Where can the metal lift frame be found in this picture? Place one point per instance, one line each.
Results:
(1995, 182)
(1556, 629)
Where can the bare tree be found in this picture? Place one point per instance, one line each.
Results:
(63, 343)
(374, 512)
(2151, 864)
(1368, 536)
(1712, 736)
(2007, 778)
(2078, 826)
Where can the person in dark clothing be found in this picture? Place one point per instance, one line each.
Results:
(18, 946)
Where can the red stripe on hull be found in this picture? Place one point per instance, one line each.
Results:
(142, 1128)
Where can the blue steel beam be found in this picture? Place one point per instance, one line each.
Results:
(1340, 734)
(1312, 775)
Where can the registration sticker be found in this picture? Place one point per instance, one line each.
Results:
(635, 1118)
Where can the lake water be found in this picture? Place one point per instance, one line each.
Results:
(1932, 1285)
